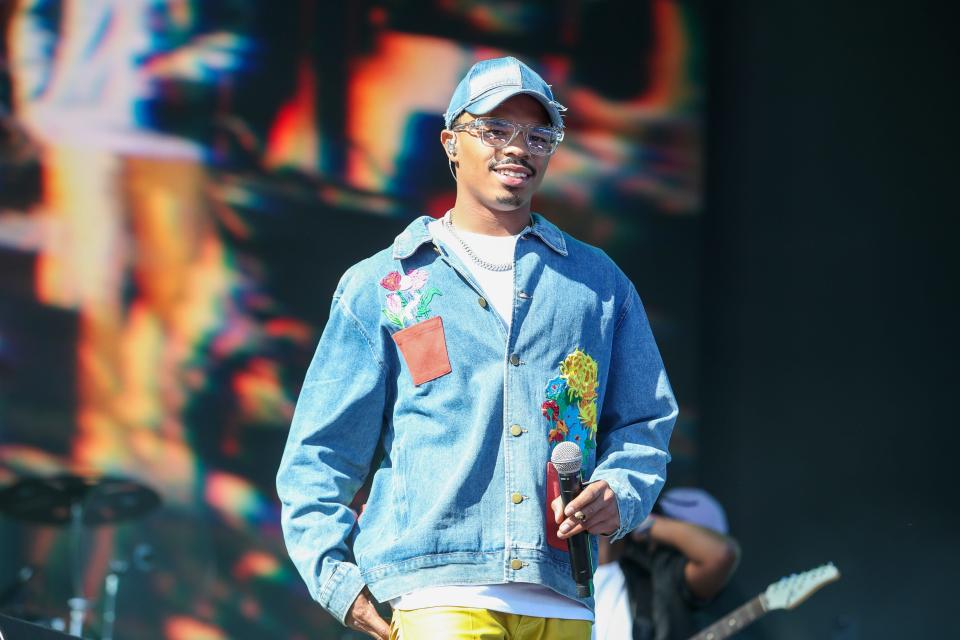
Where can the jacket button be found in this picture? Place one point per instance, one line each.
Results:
(517, 498)
(514, 359)
(482, 302)
(516, 430)
(516, 565)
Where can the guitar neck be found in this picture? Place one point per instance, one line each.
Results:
(734, 621)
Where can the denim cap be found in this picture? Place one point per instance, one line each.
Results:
(490, 82)
(695, 506)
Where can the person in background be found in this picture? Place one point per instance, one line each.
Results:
(650, 585)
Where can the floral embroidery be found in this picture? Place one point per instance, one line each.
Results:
(555, 387)
(580, 372)
(571, 404)
(391, 281)
(551, 411)
(558, 433)
(408, 301)
(588, 415)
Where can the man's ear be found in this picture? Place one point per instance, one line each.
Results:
(449, 140)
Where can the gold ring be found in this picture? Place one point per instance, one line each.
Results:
(581, 516)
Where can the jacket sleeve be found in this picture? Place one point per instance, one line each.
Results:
(636, 419)
(335, 431)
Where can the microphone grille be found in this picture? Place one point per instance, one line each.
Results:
(566, 457)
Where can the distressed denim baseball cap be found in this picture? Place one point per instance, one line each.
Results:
(490, 82)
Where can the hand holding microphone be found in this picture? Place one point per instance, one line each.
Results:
(592, 508)
(566, 459)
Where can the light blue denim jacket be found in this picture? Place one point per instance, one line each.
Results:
(459, 496)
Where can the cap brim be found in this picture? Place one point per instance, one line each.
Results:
(493, 100)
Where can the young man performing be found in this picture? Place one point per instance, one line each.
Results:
(465, 352)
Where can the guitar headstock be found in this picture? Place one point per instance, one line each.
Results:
(790, 591)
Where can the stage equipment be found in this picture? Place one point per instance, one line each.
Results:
(15, 629)
(786, 593)
(80, 501)
(89, 501)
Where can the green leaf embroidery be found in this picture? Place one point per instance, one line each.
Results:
(423, 307)
(393, 318)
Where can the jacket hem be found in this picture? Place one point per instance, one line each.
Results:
(390, 581)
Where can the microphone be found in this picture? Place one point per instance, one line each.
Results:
(567, 459)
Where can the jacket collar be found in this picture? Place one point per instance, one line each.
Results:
(417, 234)
(549, 233)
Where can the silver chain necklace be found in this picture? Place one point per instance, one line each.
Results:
(489, 266)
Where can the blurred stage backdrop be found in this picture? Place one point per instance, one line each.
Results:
(181, 186)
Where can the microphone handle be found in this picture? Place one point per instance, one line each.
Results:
(581, 563)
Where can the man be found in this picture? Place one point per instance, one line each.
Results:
(651, 584)
(464, 353)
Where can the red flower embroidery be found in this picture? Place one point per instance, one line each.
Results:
(560, 432)
(550, 410)
(391, 281)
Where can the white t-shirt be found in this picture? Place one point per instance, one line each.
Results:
(521, 598)
(497, 286)
(614, 620)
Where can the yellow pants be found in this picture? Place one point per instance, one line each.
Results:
(461, 623)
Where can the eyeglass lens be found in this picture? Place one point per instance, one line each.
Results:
(499, 133)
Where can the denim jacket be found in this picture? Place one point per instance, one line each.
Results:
(416, 369)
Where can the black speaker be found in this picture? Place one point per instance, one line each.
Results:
(13, 629)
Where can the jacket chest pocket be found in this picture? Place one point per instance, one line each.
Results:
(424, 350)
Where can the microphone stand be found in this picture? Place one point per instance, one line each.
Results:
(77, 604)
(142, 560)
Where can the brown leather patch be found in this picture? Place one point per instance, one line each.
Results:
(424, 349)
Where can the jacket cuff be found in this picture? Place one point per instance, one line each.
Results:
(340, 590)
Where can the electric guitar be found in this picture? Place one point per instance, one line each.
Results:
(786, 593)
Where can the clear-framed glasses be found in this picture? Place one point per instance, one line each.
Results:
(498, 133)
